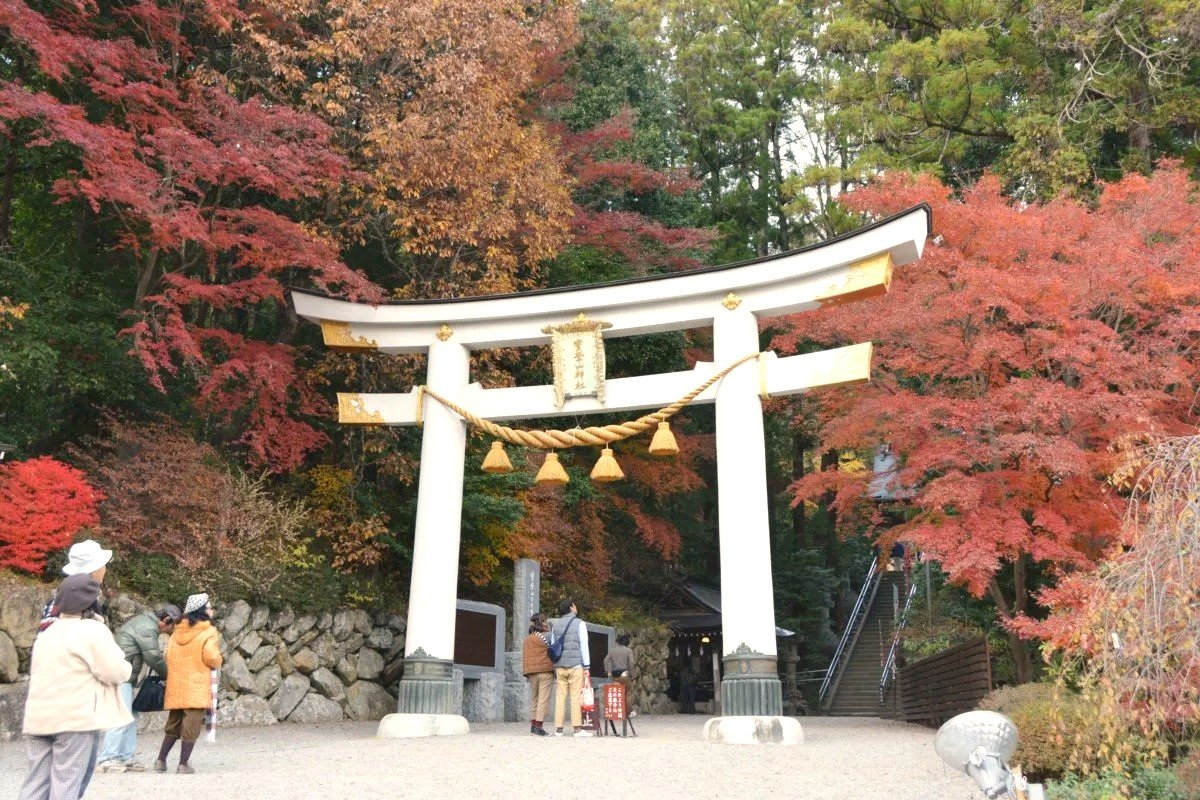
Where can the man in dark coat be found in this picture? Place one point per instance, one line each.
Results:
(138, 639)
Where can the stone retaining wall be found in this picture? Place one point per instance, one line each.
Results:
(279, 665)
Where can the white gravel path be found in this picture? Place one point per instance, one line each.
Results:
(841, 759)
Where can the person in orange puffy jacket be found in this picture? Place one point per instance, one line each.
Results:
(192, 653)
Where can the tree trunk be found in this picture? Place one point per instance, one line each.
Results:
(799, 522)
(149, 263)
(1139, 130)
(785, 235)
(1021, 652)
(829, 460)
(7, 187)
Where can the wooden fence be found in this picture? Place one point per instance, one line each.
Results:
(937, 687)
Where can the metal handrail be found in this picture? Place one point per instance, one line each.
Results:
(851, 623)
(889, 664)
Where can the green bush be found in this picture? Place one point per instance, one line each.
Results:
(160, 579)
(1053, 725)
(150, 575)
(1148, 784)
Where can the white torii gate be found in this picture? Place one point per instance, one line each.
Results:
(732, 299)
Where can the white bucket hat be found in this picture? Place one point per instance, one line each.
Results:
(86, 556)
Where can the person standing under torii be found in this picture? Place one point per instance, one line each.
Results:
(572, 669)
(539, 670)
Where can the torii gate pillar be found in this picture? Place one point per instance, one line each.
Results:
(428, 687)
(732, 299)
(750, 686)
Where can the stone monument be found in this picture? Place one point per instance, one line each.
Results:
(527, 577)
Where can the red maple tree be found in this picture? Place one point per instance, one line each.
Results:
(202, 179)
(1010, 361)
(45, 502)
(605, 178)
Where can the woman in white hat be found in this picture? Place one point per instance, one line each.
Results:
(84, 558)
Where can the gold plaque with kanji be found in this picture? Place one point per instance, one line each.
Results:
(577, 349)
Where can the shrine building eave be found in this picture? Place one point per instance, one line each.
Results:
(850, 267)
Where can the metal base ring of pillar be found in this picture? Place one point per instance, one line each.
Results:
(754, 730)
(427, 686)
(751, 686)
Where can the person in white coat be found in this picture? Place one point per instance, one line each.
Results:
(75, 673)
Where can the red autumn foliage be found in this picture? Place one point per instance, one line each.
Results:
(569, 540)
(45, 502)
(165, 492)
(608, 178)
(1012, 359)
(200, 177)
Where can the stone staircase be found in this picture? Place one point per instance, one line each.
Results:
(856, 690)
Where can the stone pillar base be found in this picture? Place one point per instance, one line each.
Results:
(753, 730)
(415, 726)
(427, 686)
(516, 688)
(751, 686)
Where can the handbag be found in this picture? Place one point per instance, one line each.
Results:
(587, 696)
(555, 650)
(151, 695)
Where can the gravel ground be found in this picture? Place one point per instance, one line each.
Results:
(841, 759)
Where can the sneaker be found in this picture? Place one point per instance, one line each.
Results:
(111, 766)
(583, 734)
(185, 769)
(558, 732)
(160, 765)
(541, 732)
(135, 766)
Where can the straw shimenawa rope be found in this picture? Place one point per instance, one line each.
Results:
(579, 437)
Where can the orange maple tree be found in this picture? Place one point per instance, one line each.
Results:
(1026, 342)
(459, 186)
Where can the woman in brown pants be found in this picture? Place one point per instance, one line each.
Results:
(539, 669)
(193, 652)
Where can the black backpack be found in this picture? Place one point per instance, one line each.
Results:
(555, 650)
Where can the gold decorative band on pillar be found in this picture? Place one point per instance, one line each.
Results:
(427, 686)
(751, 685)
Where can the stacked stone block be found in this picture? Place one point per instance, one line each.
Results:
(279, 665)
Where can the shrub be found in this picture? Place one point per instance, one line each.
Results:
(1147, 784)
(1187, 772)
(166, 493)
(151, 575)
(1054, 726)
(45, 503)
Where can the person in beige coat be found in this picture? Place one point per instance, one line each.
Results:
(74, 674)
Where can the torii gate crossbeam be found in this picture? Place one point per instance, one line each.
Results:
(732, 299)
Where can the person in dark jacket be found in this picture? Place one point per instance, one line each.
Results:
(138, 639)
